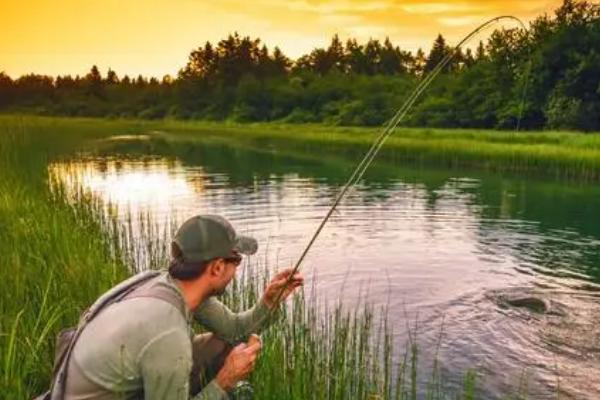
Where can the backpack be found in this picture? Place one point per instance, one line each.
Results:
(136, 286)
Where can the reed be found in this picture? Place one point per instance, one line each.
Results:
(56, 258)
(558, 155)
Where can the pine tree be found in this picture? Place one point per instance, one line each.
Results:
(111, 77)
(281, 62)
(480, 52)
(335, 53)
(94, 82)
(437, 54)
(419, 62)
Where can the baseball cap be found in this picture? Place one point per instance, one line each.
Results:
(204, 237)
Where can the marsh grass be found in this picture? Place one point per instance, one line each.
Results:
(56, 259)
(316, 351)
(60, 252)
(559, 155)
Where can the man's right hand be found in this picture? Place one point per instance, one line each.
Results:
(238, 364)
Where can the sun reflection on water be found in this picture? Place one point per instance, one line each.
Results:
(129, 184)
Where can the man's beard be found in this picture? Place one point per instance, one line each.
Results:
(219, 291)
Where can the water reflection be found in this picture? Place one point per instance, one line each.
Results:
(142, 184)
(426, 242)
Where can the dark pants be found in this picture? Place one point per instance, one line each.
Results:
(208, 354)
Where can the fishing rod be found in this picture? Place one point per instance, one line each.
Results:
(387, 131)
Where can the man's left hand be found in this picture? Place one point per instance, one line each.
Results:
(274, 287)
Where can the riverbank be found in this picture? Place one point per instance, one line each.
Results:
(556, 155)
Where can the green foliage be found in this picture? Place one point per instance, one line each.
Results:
(298, 116)
(435, 112)
(563, 112)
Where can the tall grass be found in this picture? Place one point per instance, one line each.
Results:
(58, 255)
(560, 155)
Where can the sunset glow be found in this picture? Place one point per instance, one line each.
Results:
(154, 37)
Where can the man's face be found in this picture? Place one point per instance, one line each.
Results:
(228, 272)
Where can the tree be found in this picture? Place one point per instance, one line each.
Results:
(201, 63)
(356, 60)
(480, 52)
(373, 56)
(94, 75)
(577, 13)
(391, 59)
(140, 81)
(93, 82)
(65, 82)
(320, 61)
(335, 54)
(111, 77)
(34, 89)
(236, 56)
(419, 63)
(437, 54)
(565, 72)
(281, 63)
(468, 59)
(6, 89)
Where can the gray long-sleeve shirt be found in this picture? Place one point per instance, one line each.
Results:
(143, 345)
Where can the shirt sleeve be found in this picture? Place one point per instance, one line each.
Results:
(165, 364)
(229, 326)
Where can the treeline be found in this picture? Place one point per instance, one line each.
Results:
(549, 75)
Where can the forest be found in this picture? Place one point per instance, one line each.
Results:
(545, 77)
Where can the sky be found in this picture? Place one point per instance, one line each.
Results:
(155, 37)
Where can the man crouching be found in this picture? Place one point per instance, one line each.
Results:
(143, 345)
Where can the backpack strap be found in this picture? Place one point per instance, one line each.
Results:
(159, 291)
(117, 293)
(113, 295)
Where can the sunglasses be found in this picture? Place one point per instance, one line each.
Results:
(235, 259)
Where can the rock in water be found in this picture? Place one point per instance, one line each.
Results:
(534, 304)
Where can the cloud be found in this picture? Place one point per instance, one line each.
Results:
(336, 6)
(298, 26)
(438, 8)
(467, 20)
(168, 29)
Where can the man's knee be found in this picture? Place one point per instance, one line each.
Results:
(208, 354)
(207, 348)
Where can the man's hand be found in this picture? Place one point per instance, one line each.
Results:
(238, 364)
(274, 287)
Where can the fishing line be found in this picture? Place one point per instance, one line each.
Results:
(389, 128)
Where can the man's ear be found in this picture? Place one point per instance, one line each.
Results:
(216, 267)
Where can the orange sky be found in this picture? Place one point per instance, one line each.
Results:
(154, 37)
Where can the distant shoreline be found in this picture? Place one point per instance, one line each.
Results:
(555, 154)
